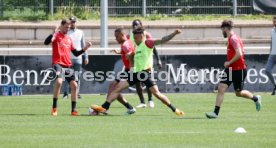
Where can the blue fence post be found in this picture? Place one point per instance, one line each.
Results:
(234, 8)
(144, 8)
(51, 5)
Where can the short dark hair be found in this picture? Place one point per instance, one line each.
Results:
(227, 23)
(274, 17)
(119, 30)
(65, 21)
(136, 22)
(139, 30)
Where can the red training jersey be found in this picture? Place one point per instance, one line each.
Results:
(235, 42)
(62, 46)
(126, 47)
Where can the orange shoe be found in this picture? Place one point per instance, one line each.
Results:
(54, 112)
(74, 113)
(179, 112)
(99, 109)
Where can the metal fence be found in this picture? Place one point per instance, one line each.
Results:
(131, 7)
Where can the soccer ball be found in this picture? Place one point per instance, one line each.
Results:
(91, 112)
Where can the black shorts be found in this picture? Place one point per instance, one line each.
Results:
(65, 72)
(236, 77)
(143, 76)
(122, 75)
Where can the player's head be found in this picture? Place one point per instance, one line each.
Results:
(119, 35)
(64, 26)
(138, 34)
(136, 24)
(274, 21)
(226, 27)
(73, 21)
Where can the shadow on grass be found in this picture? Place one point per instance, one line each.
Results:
(191, 118)
(24, 114)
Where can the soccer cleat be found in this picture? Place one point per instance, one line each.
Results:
(151, 104)
(179, 112)
(211, 115)
(65, 95)
(142, 105)
(130, 111)
(54, 112)
(99, 109)
(258, 103)
(74, 113)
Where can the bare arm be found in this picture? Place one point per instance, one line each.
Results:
(237, 56)
(77, 53)
(167, 38)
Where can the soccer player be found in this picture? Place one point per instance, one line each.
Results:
(235, 70)
(77, 37)
(138, 24)
(142, 65)
(272, 57)
(62, 46)
(126, 52)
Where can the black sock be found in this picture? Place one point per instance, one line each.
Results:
(55, 102)
(255, 98)
(216, 110)
(149, 95)
(128, 106)
(73, 105)
(172, 107)
(142, 101)
(106, 105)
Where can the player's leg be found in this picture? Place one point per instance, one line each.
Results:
(238, 82)
(151, 103)
(57, 86)
(71, 79)
(139, 91)
(268, 70)
(74, 94)
(120, 98)
(165, 100)
(146, 77)
(123, 84)
(77, 63)
(225, 82)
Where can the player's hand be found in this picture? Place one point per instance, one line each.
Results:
(159, 64)
(57, 28)
(87, 45)
(177, 31)
(226, 64)
(86, 61)
(115, 51)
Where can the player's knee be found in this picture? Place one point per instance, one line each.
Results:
(221, 89)
(58, 83)
(156, 93)
(73, 85)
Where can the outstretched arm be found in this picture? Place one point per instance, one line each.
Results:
(77, 53)
(167, 38)
(49, 39)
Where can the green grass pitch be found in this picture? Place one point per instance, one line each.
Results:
(25, 121)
